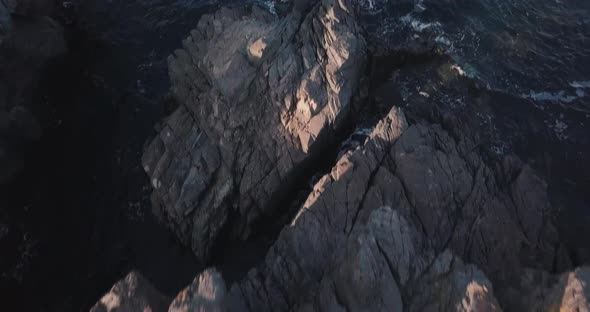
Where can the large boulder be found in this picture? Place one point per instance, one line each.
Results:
(259, 99)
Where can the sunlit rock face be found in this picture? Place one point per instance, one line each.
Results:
(132, 294)
(259, 97)
(570, 293)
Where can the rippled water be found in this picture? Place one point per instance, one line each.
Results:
(536, 49)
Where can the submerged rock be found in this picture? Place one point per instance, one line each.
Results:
(259, 98)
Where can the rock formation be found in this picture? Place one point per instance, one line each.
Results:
(416, 217)
(259, 97)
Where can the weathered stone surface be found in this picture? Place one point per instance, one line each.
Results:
(206, 293)
(257, 95)
(132, 294)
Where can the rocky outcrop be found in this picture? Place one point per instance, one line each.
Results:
(451, 201)
(416, 217)
(133, 293)
(361, 242)
(259, 98)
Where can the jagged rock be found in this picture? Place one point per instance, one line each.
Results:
(446, 193)
(206, 293)
(259, 97)
(132, 294)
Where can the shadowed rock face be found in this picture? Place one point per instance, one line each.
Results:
(259, 98)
